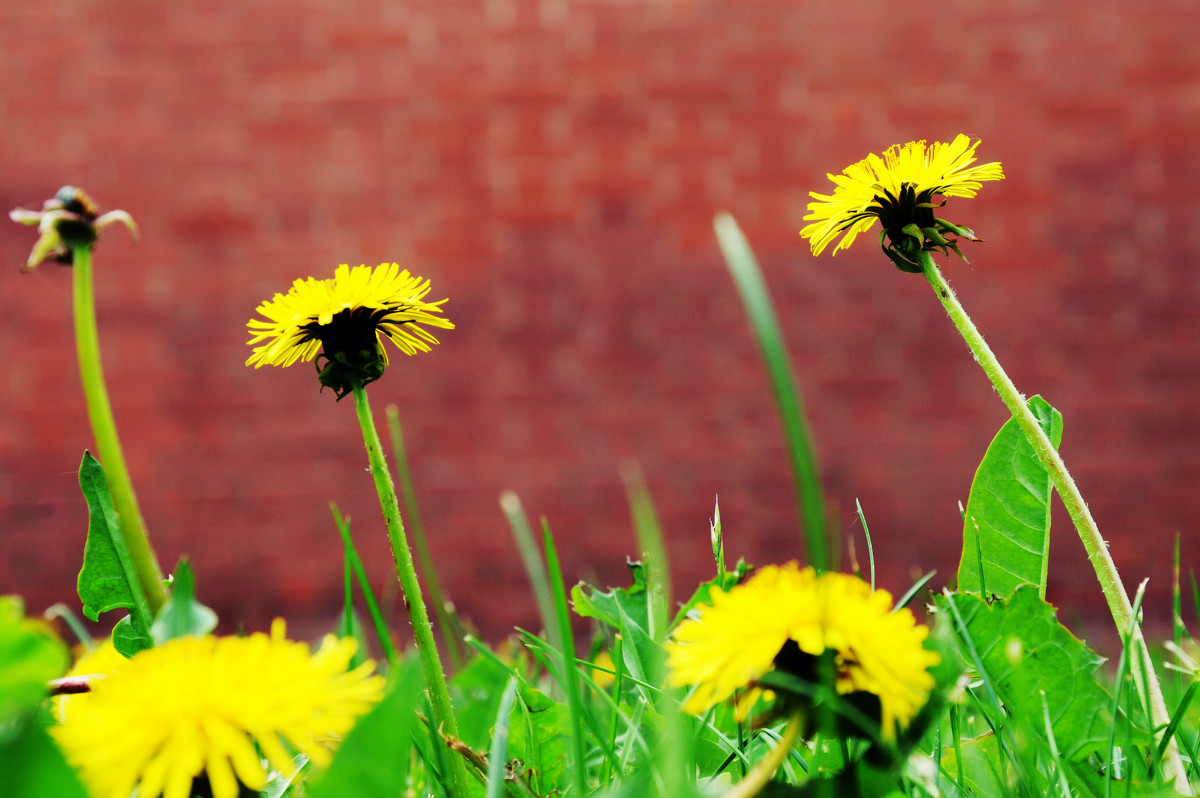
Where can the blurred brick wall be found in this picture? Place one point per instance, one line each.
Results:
(554, 167)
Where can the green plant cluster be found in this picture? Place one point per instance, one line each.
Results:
(1021, 705)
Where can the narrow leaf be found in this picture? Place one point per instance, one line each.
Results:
(108, 579)
(1006, 529)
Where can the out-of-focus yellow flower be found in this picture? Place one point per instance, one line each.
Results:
(898, 189)
(197, 707)
(784, 617)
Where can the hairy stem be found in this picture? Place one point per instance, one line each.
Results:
(104, 428)
(406, 572)
(1095, 545)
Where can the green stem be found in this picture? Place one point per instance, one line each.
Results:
(1072, 499)
(104, 428)
(452, 641)
(431, 663)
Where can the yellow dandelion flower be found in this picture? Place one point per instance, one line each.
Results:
(346, 319)
(783, 613)
(197, 707)
(898, 189)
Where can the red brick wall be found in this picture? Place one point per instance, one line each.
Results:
(554, 167)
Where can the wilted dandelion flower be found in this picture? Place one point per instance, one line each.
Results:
(197, 707)
(346, 319)
(785, 617)
(898, 189)
(69, 218)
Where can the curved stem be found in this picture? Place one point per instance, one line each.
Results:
(1072, 499)
(104, 428)
(406, 572)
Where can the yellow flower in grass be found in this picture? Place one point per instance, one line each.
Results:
(204, 707)
(784, 617)
(346, 319)
(898, 189)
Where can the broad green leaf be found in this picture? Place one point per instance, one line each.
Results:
(537, 735)
(1006, 529)
(476, 690)
(108, 579)
(32, 765)
(182, 615)
(373, 760)
(1027, 653)
(590, 602)
(30, 656)
(984, 769)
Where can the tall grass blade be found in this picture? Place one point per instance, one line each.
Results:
(743, 266)
(355, 563)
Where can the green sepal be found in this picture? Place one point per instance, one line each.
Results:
(182, 615)
(108, 579)
(339, 371)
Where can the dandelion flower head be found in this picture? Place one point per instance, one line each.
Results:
(898, 189)
(785, 614)
(197, 707)
(346, 318)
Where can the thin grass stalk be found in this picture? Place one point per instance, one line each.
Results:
(531, 557)
(564, 641)
(104, 428)
(406, 572)
(454, 645)
(360, 574)
(1097, 549)
(757, 300)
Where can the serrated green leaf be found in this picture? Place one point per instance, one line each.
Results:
(984, 769)
(476, 690)
(590, 602)
(1007, 521)
(30, 656)
(108, 579)
(182, 615)
(373, 760)
(537, 735)
(1027, 653)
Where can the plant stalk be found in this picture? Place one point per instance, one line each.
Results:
(104, 428)
(1097, 549)
(406, 572)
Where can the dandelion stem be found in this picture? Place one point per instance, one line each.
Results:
(452, 641)
(427, 651)
(1072, 499)
(104, 428)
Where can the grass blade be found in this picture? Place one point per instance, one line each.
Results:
(381, 630)
(748, 278)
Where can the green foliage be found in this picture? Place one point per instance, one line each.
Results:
(1027, 657)
(108, 579)
(30, 656)
(182, 615)
(375, 759)
(1006, 528)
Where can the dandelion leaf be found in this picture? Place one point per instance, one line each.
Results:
(1006, 529)
(537, 738)
(108, 579)
(373, 760)
(1029, 657)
